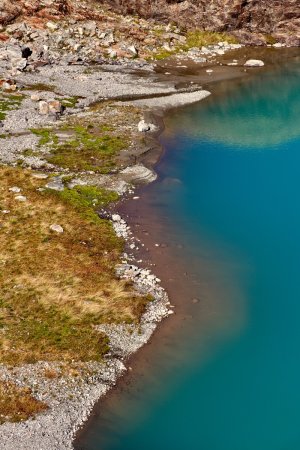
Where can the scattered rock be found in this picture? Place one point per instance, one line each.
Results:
(15, 189)
(43, 108)
(52, 26)
(21, 198)
(56, 184)
(145, 127)
(40, 176)
(55, 107)
(35, 97)
(56, 228)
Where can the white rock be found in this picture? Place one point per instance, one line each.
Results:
(21, 198)
(57, 228)
(51, 26)
(112, 53)
(15, 189)
(40, 176)
(132, 50)
(254, 63)
(143, 127)
(43, 108)
(35, 97)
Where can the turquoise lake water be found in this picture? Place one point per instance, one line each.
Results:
(232, 197)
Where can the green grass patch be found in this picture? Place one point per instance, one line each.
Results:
(9, 102)
(40, 87)
(46, 135)
(69, 102)
(199, 38)
(87, 199)
(88, 150)
(163, 54)
(195, 38)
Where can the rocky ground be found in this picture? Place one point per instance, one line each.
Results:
(76, 104)
(253, 21)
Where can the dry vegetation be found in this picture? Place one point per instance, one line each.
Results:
(55, 287)
(17, 404)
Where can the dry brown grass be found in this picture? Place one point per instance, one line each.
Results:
(17, 404)
(51, 374)
(55, 287)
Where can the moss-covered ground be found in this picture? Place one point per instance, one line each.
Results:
(8, 102)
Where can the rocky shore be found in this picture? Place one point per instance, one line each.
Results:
(60, 89)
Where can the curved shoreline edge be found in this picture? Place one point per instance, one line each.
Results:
(57, 428)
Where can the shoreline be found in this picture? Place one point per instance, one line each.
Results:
(97, 385)
(129, 210)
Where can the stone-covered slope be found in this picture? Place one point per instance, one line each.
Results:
(280, 18)
(252, 20)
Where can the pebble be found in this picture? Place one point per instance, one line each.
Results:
(15, 189)
(57, 228)
(40, 176)
(21, 198)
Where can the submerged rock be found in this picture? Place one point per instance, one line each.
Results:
(138, 174)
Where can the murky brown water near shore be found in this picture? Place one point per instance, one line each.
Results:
(204, 313)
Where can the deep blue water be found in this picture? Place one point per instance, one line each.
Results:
(233, 197)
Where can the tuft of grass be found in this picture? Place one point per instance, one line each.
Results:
(195, 38)
(199, 38)
(40, 87)
(17, 404)
(86, 199)
(46, 135)
(55, 288)
(162, 53)
(9, 102)
(69, 102)
(270, 39)
(51, 374)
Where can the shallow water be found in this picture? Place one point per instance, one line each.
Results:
(225, 374)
